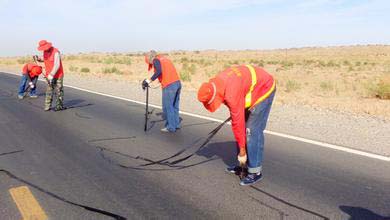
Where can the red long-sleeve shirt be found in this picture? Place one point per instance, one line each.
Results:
(27, 69)
(238, 81)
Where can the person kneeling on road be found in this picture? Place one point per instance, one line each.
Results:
(54, 74)
(166, 73)
(30, 74)
(248, 92)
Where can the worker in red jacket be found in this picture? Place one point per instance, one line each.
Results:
(166, 73)
(30, 73)
(248, 92)
(54, 74)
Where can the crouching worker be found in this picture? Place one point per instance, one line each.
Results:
(166, 73)
(248, 93)
(54, 74)
(30, 75)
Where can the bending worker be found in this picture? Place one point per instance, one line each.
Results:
(248, 92)
(54, 74)
(30, 74)
(166, 73)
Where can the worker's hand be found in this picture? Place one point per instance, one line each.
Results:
(50, 77)
(145, 83)
(242, 158)
(37, 59)
(31, 85)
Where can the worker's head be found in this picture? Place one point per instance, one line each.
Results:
(211, 94)
(36, 70)
(149, 57)
(44, 45)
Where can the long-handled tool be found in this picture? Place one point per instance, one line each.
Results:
(146, 109)
(145, 86)
(35, 57)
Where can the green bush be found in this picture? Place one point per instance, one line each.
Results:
(108, 60)
(326, 86)
(346, 63)
(73, 68)
(85, 70)
(292, 86)
(379, 90)
(112, 70)
(287, 64)
(185, 76)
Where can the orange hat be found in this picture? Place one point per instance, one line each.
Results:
(44, 45)
(211, 94)
(36, 70)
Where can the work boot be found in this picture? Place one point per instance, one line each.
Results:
(236, 170)
(251, 178)
(59, 108)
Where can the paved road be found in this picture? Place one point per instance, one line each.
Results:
(84, 163)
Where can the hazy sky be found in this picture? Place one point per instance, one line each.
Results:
(123, 25)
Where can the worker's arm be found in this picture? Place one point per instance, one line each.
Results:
(157, 69)
(56, 66)
(235, 101)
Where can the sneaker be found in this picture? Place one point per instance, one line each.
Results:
(20, 97)
(47, 108)
(33, 96)
(166, 130)
(251, 178)
(236, 170)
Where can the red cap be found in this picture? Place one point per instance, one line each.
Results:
(44, 45)
(211, 94)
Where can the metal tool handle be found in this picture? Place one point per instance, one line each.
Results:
(146, 109)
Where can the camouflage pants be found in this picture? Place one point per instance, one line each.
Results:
(58, 87)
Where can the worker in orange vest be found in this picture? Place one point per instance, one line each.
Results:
(54, 74)
(30, 73)
(166, 73)
(248, 92)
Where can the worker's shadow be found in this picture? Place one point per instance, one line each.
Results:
(76, 103)
(227, 151)
(358, 213)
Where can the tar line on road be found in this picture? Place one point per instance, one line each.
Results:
(53, 195)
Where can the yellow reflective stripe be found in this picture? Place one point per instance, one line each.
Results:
(265, 95)
(248, 97)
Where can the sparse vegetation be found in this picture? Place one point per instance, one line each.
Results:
(326, 86)
(73, 68)
(85, 70)
(334, 77)
(292, 86)
(112, 70)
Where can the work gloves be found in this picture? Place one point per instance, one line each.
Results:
(31, 85)
(145, 83)
(242, 158)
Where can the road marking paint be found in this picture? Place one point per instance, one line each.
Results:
(28, 206)
(318, 143)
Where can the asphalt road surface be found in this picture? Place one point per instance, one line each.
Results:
(86, 162)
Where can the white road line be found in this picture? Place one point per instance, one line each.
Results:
(318, 143)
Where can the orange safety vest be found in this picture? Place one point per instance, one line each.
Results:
(255, 78)
(169, 74)
(48, 58)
